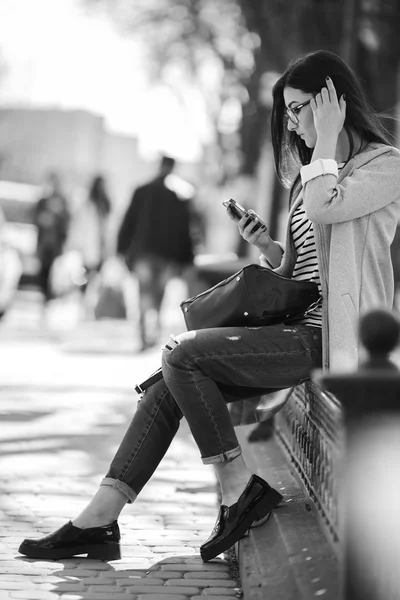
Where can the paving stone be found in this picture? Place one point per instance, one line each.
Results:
(70, 587)
(167, 574)
(90, 581)
(47, 579)
(14, 577)
(172, 549)
(34, 595)
(123, 574)
(211, 591)
(162, 597)
(96, 596)
(17, 585)
(187, 591)
(223, 597)
(7, 563)
(82, 572)
(94, 565)
(22, 570)
(170, 560)
(195, 568)
(138, 565)
(48, 567)
(207, 575)
(202, 583)
(141, 581)
(110, 589)
(171, 536)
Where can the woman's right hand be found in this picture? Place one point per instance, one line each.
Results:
(257, 236)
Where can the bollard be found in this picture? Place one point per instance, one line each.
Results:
(370, 469)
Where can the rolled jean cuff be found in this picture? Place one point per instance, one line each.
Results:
(121, 487)
(224, 457)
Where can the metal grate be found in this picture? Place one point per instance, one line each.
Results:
(310, 428)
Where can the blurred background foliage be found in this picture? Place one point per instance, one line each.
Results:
(247, 43)
(120, 80)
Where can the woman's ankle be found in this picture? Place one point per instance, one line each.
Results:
(233, 477)
(104, 508)
(230, 495)
(88, 520)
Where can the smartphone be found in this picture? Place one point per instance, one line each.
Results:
(237, 211)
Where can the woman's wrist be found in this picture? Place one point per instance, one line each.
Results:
(325, 147)
(272, 252)
(264, 247)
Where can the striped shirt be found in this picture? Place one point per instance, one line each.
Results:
(306, 267)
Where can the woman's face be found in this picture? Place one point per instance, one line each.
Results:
(305, 127)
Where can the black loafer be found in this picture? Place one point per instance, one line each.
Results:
(100, 543)
(256, 501)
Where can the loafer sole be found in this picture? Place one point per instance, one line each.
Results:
(261, 521)
(109, 551)
(270, 501)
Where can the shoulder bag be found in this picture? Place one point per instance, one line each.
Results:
(254, 296)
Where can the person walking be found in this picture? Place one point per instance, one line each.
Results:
(52, 219)
(155, 241)
(89, 236)
(89, 227)
(345, 203)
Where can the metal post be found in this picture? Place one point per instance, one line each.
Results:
(370, 469)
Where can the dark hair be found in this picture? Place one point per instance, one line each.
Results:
(98, 195)
(307, 73)
(167, 162)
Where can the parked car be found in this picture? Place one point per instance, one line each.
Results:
(10, 275)
(19, 233)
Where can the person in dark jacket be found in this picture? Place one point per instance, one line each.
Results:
(52, 218)
(155, 241)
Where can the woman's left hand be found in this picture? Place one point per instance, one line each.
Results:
(329, 112)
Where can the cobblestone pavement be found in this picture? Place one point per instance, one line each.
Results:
(66, 398)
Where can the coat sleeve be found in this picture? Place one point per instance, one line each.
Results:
(365, 190)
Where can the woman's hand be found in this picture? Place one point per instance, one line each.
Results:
(329, 112)
(253, 230)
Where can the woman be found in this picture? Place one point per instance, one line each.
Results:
(89, 227)
(344, 208)
(89, 237)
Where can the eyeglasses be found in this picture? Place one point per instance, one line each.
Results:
(291, 113)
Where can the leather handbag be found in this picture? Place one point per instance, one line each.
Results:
(253, 296)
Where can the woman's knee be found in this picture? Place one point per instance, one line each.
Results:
(177, 351)
(171, 352)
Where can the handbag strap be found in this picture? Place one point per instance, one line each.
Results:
(310, 309)
(313, 306)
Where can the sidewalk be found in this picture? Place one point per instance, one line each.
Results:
(66, 399)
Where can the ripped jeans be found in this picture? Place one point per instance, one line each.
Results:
(203, 371)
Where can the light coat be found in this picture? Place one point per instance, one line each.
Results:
(354, 223)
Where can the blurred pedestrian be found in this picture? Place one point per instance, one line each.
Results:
(155, 240)
(52, 218)
(89, 232)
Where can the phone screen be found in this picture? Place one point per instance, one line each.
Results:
(235, 208)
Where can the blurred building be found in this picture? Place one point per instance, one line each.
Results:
(74, 143)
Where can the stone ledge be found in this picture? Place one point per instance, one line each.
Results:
(290, 556)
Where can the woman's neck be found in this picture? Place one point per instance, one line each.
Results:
(343, 146)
